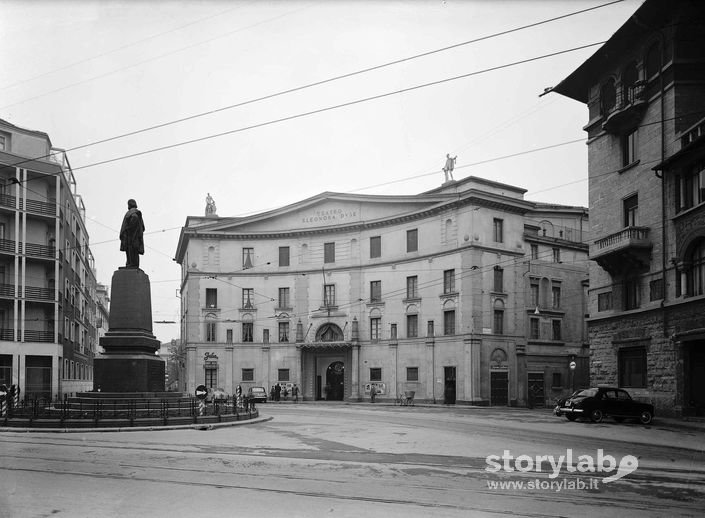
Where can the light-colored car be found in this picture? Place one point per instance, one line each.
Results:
(257, 394)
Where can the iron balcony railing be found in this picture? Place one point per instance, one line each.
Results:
(30, 292)
(30, 249)
(34, 206)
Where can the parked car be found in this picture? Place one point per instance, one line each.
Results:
(257, 394)
(596, 403)
(560, 402)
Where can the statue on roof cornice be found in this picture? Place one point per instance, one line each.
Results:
(448, 168)
(210, 206)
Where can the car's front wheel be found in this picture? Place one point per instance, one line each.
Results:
(570, 417)
(645, 417)
(596, 415)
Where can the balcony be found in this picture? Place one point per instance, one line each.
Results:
(627, 110)
(626, 250)
(30, 292)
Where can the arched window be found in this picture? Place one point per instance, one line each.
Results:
(630, 76)
(210, 327)
(608, 97)
(695, 274)
(652, 61)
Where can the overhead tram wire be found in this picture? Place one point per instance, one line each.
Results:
(117, 49)
(332, 79)
(331, 108)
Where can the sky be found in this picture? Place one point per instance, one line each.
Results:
(166, 101)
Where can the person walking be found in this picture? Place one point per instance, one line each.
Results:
(295, 393)
(277, 392)
(373, 393)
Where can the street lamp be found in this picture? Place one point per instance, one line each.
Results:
(572, 366)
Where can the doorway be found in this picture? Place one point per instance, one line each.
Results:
(449, 386)
(499, 388)
(696, 378)
(335, 382)
(535, 390)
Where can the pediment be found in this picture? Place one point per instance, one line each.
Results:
(325, 211)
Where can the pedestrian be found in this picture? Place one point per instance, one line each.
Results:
(373, 393)
(271, 393)
(295, 393)
(277, 392)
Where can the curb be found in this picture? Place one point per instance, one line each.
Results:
(199, 426)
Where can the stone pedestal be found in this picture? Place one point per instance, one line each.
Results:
(129, 363)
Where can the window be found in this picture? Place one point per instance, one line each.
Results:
(534, 252)
(608, 97)
(695, 274)
(211, 298)
(534, 328)
(498, 321)
(412, 286)
(557, 381)
(412, 374)
(449, 281)
(412, 326)
(247, 331)
(556, 330)
(284, 301)
(248, 298)
(283, 375)
(375, 327)
(604, 301)
(248, 255)
(283, 331)
(535, 293)
(393, 331)
(556, 297)
(449, 322)
(211, 376)
(632, 367)
(375, 374)
(498, 279)
(629, 150)
(375, 246)
(329, 252)
(229, 336)
(265, 336)
(498, 226)
(656, 289)
(412, 240)
(556, 255)
(3, 143)
(210, 329)
(376, 291)
(631, 294)
(690, 188)
(652, 62)
(283, 256)
(248, 374)
(631, 207)
(329, 295)
(429, 328)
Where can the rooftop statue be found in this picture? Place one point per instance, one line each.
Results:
(448, 168)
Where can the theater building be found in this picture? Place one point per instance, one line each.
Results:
(644, 90)
(467, 293)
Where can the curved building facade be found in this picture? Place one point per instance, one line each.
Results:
(464, 294)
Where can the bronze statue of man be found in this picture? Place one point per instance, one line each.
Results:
(131, 235)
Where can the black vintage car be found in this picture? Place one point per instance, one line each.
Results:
(596, 403)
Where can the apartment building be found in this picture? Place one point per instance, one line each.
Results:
(47, 272)
(645, 94)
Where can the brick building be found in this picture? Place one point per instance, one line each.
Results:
(47, 273)
(645, 94)
(466, 293)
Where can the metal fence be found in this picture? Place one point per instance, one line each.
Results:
(100, 411)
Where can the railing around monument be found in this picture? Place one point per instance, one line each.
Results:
(104, 412)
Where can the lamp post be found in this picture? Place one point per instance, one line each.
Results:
(572, 366)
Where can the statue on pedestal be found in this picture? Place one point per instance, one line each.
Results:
(131, 235)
